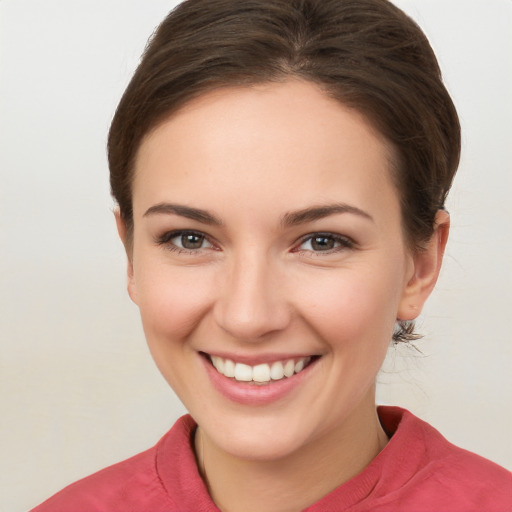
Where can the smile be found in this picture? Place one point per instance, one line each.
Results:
(260, 373)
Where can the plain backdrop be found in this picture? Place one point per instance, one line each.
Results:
(78, 390)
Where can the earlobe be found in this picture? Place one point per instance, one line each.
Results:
(427, 265)
(123, 235)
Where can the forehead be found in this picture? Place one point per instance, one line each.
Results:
(275, 142)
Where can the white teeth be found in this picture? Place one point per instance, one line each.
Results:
(299, 366)
(260, 373)
(243, 372)
(276, 370)
(229, 368)
(218, 362)
(289, 368)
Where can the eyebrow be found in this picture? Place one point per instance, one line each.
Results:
(184, 211)
(289, 219)
(319, 212)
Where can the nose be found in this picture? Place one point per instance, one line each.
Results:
(251, 301)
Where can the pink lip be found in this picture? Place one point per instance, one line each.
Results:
(254, 394)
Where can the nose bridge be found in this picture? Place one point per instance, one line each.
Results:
(250, 303)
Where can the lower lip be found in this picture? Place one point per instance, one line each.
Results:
(255, 394)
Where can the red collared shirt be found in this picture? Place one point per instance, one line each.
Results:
(417, 471)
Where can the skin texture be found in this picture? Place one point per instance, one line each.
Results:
(257, 288)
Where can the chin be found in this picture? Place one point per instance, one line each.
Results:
(260, 438)
(262, 448)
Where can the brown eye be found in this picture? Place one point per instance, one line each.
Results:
(184, 241)
(191, 241)
(322, 243)
(325, 242)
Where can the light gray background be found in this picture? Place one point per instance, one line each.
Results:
(78, 390)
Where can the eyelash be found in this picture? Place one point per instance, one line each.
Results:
(166, 238)
(343, 242)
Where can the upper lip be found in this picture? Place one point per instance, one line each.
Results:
(256, 359)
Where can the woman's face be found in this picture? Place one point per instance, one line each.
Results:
(267, 234)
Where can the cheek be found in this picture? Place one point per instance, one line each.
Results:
(171, 301)
(353, 309)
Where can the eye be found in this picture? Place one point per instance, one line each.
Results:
(325, 242)
(186, 241)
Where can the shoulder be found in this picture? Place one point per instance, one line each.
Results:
(463, 481)
(133, 484)
(442, 475)
(110, 489)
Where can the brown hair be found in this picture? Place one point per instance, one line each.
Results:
(367, 54)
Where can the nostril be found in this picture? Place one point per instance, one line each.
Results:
(253, 323)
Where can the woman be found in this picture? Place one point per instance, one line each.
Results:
(281, 169)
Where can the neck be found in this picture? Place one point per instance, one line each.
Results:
(298, 480)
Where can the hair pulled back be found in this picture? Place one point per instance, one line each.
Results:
(367, 54)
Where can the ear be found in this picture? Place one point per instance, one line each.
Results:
(128, 247)
(426, 268)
